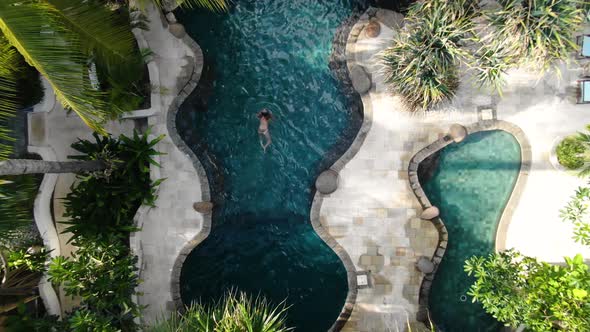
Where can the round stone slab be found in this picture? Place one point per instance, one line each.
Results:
(327, 182)
(429, 213)
(425, 265)
(177, 30)
(458, 132)
(203, 207)
(373, 29)
(360, 80)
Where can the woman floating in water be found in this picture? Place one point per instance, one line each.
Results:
(265, 116)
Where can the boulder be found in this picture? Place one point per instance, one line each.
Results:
(458, 132)
(419, 326)
(373, 29)
(203, 207)
(425, 265)
(360, 79)
(327, 182)
(429, 213)
(390, 18)
(170, 17)
(177, 30)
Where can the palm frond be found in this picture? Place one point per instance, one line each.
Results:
(8, 97)
(101, 32)
(35, 30)
(213, 5)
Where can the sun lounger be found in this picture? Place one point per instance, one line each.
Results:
(584, 43)
(584, 91)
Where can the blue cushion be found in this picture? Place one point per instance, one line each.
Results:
(586, 46)
(586, 91)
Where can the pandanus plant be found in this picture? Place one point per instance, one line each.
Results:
(235, 312)
(421, 65)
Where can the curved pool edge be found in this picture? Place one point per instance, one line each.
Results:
(182, 146)
(338, 165)
(502, 228)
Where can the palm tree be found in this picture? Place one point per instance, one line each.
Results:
(62, 39)
(235, 312)
(32, 166)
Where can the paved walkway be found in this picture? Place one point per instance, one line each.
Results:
(373, 213)
(167, 228)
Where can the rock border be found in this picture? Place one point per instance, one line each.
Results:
(337, 166)
(182, 146)
(502, 228)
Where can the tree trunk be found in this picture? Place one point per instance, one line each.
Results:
(31, 166)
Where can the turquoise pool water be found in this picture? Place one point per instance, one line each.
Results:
(471, 186)
(273, 54)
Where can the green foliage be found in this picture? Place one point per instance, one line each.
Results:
(422, 64)
(72, 32)
(570, 153)
(517, 290)
(235, 312)
(106, 202)
(33, 260)
(536, 33)
(17, 197)
(576, 212)
(103, 274)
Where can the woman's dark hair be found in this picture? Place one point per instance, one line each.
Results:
(265, 113)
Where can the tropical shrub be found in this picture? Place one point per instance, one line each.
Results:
(105, 202)
(102, 272)
(235, 312)
(32, 258)
(421, 65)
(536, 32)
(518, 290)
(570, 153)
(576, 212)
(104, 275)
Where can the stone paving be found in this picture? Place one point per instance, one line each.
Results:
(168, 227)
(373, 215)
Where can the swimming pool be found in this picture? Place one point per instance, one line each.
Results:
(471, 185)
(268, 54)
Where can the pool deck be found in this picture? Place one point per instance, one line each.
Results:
(373, 213)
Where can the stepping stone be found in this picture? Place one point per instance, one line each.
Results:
(458, 132)
(360, 79)
(203, 207)
(424, 265)
(327, 182)
(177, 30)
(430, 213)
